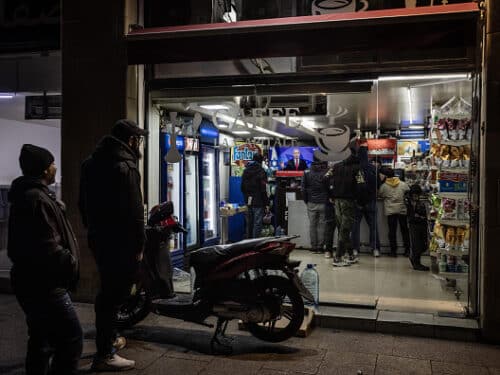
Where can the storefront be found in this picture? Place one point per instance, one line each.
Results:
(405, 79)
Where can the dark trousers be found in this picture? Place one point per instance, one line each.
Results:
(393, 221)
(55, 336)
(116, 285)
(330, 225)
(419, 242)
(344, 212)
(254, 218)
(369, 212)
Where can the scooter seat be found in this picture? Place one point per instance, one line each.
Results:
(209, 257)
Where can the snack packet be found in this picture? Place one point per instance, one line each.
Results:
(442, 127)
(455, 156)
(453, 129)
(445, 156)
(449, 209)
(465, 162)
(450, 239)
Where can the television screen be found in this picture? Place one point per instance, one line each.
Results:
(279, 156)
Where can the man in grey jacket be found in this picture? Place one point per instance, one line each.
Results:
(315, 195)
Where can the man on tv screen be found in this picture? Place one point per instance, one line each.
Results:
(296, 163)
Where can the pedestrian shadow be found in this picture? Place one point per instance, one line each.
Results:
(179, 339)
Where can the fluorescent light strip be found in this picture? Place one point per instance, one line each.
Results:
(215, 107)
(6, 96)
(423, 77)
(411, 105)
(240, 132)
(240, 122)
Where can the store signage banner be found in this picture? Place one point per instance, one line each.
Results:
(242, 153)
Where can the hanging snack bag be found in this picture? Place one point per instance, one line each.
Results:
(453, 129)
(455, 156)
(465, 156)
(439, 235)
(443, 129)
(468, 130)
(449, 209)
(450, 239)
(460, 238)
(435, 152)
(445, 156)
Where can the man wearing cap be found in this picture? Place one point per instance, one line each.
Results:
(111, 206)
(44, 254)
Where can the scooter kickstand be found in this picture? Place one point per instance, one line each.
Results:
(216, 345)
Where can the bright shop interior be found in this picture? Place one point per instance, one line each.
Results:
(422, 126)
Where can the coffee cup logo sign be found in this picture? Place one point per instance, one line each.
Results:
(319, 7)
(333, 144)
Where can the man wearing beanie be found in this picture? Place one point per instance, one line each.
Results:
(111, 205)
(44, 254)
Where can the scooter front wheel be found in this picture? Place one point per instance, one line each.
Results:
(136, 309)
(282, 292)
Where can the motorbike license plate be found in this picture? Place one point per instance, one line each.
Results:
(304, 292)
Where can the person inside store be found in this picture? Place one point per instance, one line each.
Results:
(111, 207)
(254, 189)
(380, 169)
(330, 225)
(314, 188)
(393, 193)
(342, 191)
(369, 209)
(296, 163)
(44, 254)
(417, 220)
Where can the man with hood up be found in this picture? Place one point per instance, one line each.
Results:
(44, 254)
(393, 193)
(343, 190)
(315, 195)
(112, 209)
(254, 189)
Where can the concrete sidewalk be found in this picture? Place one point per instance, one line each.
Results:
(166, 346)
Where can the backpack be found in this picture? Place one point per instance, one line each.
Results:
(361, 192)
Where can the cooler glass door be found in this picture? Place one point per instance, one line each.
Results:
(174, 191)
(192, 206)
(209, 195)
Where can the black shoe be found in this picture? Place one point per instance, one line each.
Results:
(420, 267)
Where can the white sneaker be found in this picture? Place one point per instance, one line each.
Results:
(376, 253)
(355, 253)
(328, 255)
(337, 262)
(112, 363)
(351, 259)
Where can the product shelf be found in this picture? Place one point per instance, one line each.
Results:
(454, 223)
(457, 195)
(450, 142)
(455, 253)
(455, 275)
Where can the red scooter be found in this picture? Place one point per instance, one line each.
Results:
(251, 280)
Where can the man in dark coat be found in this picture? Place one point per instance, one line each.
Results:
(111, 205)
(315, 195)
(254, 189)
(44, 253)
(367, 210)
(343, 190)
(296, 163)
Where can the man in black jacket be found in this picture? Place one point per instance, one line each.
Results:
(44, 253)
(315, 195)
(296, 163)
(112, 210)
(253, 187)
(343, 191)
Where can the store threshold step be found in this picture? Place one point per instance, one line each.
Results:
(399, 323)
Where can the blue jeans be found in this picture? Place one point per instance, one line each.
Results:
(54, 333)
(254, 218)
(369, 212)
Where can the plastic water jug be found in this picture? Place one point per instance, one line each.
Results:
(310, 279)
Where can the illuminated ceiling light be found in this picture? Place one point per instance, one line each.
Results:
(215, 107)
(269, 132)
(241, 132)
(411, 105)
(423, 77)
(5, 95)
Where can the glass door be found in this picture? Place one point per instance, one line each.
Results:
(209, 195)
(191, 194)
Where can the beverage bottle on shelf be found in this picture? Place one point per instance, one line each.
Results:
(310, 279)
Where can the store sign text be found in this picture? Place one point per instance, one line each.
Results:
(259, 113)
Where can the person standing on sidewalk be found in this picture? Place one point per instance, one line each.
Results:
(112, 209)
(343, 189)
(393, 193)
(369, 209)
(44, 254)
(254, 189)
(315, 195)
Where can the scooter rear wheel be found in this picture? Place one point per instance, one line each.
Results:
(136, 309)
(291, 305)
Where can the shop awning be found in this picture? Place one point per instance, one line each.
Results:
(436, 27)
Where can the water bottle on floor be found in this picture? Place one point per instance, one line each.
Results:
(310, 279)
